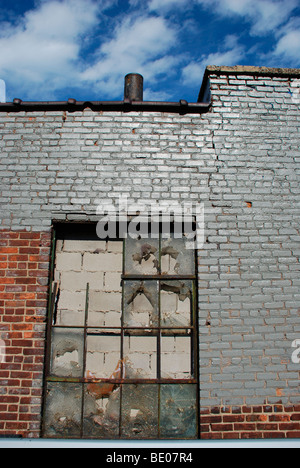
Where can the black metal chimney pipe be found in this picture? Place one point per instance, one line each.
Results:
(134, 88)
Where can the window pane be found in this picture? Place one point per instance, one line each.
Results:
(141, 304)
(101, 411)
(63, 410)
(140, 357)
(103, 356)
(105, 308)
(176, 301)
(176, 357)
(140, 411)
(67, 352)
(71, 308)
(142, 257)
(176, 259)
(178, 410)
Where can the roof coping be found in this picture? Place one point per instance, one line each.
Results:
(245, 70)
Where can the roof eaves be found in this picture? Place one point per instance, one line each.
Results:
(181, 107)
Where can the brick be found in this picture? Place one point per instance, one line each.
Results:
(103, 263)
(222, 427)
(77, 281)
(289, 426)
(105, 301)
(68, 261)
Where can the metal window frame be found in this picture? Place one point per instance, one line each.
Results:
(52, 302)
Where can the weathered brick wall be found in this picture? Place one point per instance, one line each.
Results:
(255, 422)
(249, 304)
(242, 160)
(23, 304)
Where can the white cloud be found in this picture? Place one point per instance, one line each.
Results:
(43, 48)
(264, 15)
(288, 45)
(43, 53)
(2, 91)
(150, 95)
(230, 54)
(140, 45)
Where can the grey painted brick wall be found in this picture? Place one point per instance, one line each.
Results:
(241, 159)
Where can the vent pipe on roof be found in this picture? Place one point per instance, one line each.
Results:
(2, 91)
(134, 88)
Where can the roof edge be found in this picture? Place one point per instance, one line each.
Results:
(181, 107)
(245, 70)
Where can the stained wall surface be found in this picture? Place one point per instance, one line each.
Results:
(241, 159)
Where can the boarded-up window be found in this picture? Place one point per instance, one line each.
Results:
(122, 339)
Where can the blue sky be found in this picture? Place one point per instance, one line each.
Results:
(57, 49)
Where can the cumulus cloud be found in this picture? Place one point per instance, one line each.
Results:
(289, 42)
(44, 52)
(45, 45)
(63, 45)
(264, 15)
(139, 45)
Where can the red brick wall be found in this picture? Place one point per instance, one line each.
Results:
(24, 277)
(257, 422)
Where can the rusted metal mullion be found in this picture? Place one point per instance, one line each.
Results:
(197, 345)
(120, 328)
(122, 340)
(122, 381)
(193, 337)
(159, 336)
(51, 302)
(159, 277)
(87, 298)
(84, 354)
(159, 339)
(159, 356)
(159, 361)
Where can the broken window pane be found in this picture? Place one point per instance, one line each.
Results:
(176, 301)
(140, 411)
(102, 411)
(67, 352)
(103, 355)
(140, 357)
(176, 357)
(141, 304)
(178, 412)
(63, 410)
(176, 259)
(142, 257)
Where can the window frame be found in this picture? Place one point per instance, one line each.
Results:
(63, 229)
